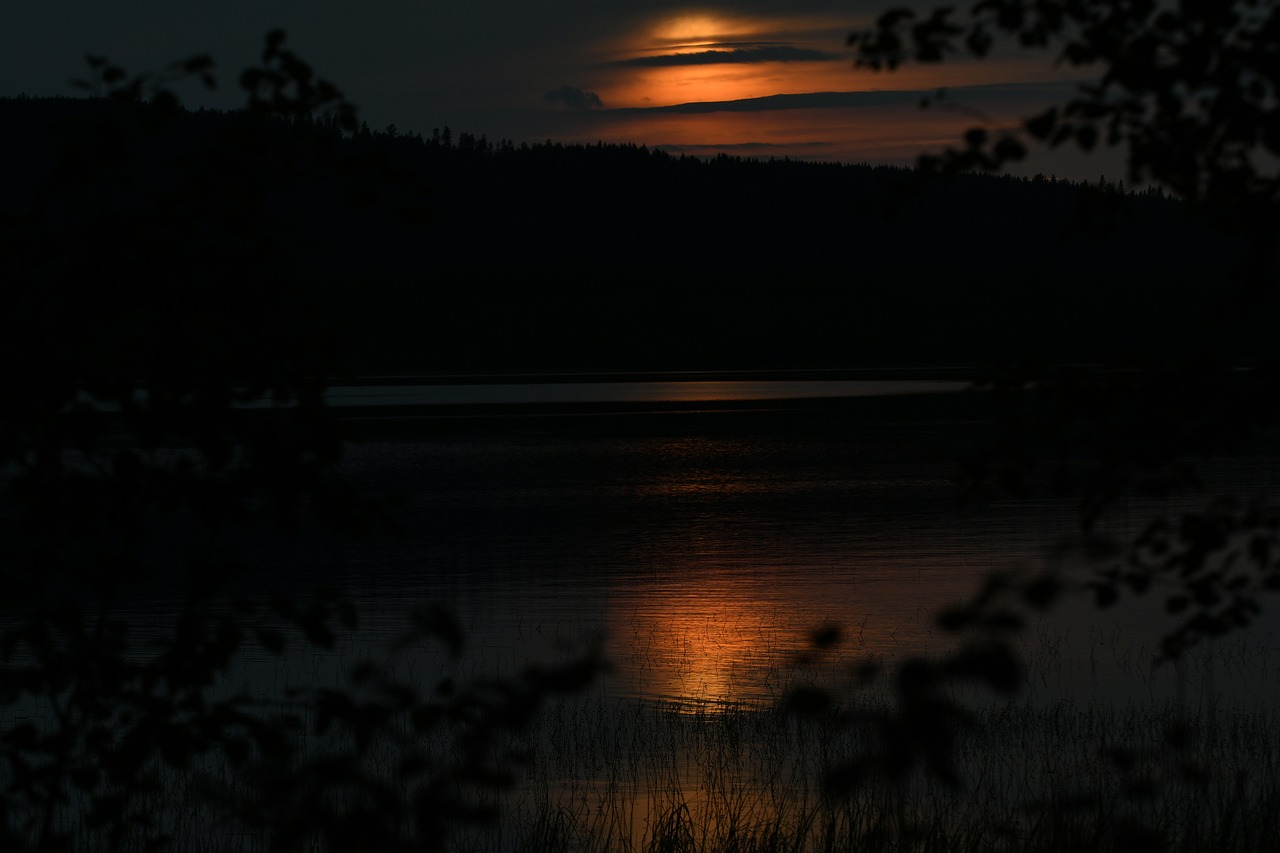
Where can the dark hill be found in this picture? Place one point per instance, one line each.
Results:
(555, 256)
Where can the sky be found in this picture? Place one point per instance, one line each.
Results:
(758, 78)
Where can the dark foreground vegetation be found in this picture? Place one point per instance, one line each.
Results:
(581, 257)
(163, 269)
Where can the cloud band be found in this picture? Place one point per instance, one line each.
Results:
(772, 53)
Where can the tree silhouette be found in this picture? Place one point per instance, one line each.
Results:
(164, 373)
(1188, 92)
(1187, 95)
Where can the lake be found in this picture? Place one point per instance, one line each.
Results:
(703, 535)
(697, 531)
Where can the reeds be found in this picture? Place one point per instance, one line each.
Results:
(609, 774)
(613, 775)
(642, 777)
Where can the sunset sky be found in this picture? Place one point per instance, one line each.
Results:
(760, 78)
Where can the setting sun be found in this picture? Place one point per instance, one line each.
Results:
(695, 29)
(703, 56)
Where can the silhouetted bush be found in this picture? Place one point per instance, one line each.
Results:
(164, 368)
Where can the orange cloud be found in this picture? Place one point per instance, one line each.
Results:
(726, 64)
(728, 56)
(697, 56)
(883, 126)
(877, 134)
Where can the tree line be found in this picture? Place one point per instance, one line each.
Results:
(481, 255)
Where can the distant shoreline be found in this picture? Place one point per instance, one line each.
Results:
(910, 373)
(958, 410)
(542, 398)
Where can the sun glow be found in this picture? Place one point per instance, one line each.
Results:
(697, 29)
(700, 56)
(635, 76)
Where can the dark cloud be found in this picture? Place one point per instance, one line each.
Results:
(574, 98)
(807, 101)
(745, 148)
(838, 100)
(763, 53)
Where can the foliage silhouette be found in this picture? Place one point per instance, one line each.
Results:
(164, 370)
(1184, 90)
(1006, 254)
(1182, 94)
(1187, 92)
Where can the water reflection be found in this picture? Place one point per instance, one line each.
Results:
(705, 559)
(705, 639)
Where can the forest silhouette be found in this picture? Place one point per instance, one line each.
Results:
(552, 256)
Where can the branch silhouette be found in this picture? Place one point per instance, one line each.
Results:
(1187, 93)
(164, 370)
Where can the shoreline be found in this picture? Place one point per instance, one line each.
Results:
(831, 374)
(950, 411)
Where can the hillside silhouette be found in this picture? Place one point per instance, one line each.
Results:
(494, 255)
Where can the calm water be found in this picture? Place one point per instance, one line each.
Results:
(702, 551)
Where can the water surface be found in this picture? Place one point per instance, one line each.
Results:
(703, 552)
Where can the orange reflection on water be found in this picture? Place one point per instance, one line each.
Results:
(704, 640)
(706, 626)
(726, 592)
